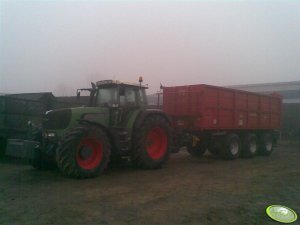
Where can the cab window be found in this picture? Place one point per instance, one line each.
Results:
(142, 97)
(129, 97)
(106, 97)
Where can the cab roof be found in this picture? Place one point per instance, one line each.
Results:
(108, 83)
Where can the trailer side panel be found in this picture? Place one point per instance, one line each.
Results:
(206, 107)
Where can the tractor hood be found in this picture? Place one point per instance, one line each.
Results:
(66, 118)
(99, 115)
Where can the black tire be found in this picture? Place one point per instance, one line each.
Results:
(197, 149)
(232, 147)
(83, 152)
(214, 150)
(215, 145)
(151, 143)
(250, 146)
(266, 144)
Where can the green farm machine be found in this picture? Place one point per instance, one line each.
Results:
(82, 141)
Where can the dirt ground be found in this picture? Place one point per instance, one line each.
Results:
(185, 191)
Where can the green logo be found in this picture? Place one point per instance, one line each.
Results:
(281, 213)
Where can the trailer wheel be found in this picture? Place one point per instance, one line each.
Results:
(198, 149)
(215, 145)
(214, 150)
(249, 143)
(83, 152)
(151, 146)
(266, 144)
(232, 147)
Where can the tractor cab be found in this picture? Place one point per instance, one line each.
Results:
(116, 94)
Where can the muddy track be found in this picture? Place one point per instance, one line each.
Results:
(185, 191)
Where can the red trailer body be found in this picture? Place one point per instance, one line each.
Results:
(206, 107)
(228, 122)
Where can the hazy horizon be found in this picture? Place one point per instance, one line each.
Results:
(60, 46)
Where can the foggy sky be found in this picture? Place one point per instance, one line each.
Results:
(60, 46)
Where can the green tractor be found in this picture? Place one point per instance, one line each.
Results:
(82, 141)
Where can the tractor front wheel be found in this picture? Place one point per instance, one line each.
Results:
(152, 143)
(83, 152)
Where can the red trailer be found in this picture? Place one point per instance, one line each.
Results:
(226, 121)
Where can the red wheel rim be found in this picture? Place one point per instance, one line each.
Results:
(156, 143)
(89, 153)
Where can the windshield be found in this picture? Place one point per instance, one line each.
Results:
(107, 97)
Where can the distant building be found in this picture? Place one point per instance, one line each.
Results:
(33, 96)
(72, 101)
(45, 98)
(290, 91)
(48, 101)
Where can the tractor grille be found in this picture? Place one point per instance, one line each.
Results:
(57, 119)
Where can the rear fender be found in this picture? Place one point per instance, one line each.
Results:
(149, 112)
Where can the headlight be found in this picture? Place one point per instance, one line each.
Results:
(49, 135)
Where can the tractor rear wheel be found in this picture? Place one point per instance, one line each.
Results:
(83, 152)
(152, 143)
(266, 144)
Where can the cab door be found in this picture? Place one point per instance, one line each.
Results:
(129, 103)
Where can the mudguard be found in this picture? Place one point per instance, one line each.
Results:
(145, 113)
